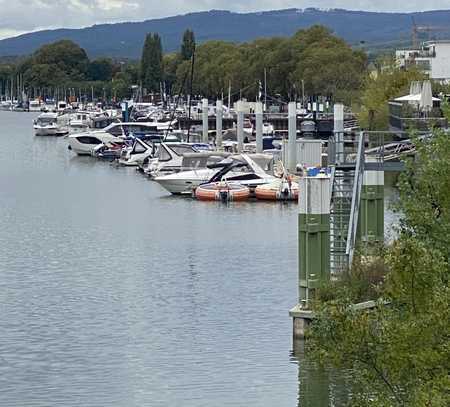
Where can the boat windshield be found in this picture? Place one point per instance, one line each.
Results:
(181, 149)
(45, 120)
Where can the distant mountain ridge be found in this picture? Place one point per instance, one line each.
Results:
(125, 40)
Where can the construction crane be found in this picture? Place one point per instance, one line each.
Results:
(416, 29)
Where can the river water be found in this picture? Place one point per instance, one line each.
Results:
(113, 293)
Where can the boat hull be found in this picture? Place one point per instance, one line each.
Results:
(222, 191)
(278, 191)
(47, 131)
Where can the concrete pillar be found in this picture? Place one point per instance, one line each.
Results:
(284, 152)
(292, 129)
(240, 126)
(259, 126)
(339, 132)
(314, 235)
(219, 115)
(371, 213)
(205, 120)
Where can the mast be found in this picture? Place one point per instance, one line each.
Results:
(190, 95)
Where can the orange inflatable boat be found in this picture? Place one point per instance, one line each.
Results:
(222, 191)
(283, 189)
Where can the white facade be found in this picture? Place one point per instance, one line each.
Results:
(433, 58)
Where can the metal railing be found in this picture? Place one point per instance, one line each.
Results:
(356, 200)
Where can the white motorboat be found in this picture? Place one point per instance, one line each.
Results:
(268, 129)
(250, 174)
(85, 143)
(49, 124)
(137, 153)
(35, 105)
(193, 160)
(168, 158)
(248, 127)
(79, 122)
(62, 106)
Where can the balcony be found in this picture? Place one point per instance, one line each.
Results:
(405, 117)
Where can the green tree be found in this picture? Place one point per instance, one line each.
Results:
(101, 69)
(188, 45)
(170, 66)
(67, 56)
(398, 352)
(327, 65)
(152, 63)
(386, 82)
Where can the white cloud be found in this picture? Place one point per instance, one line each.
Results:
(18, 16)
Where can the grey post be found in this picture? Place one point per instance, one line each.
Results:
(205, 120)
(219, 114)
(292, 126)
(259, 126)
(240, 126)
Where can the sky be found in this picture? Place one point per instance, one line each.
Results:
(20, 16)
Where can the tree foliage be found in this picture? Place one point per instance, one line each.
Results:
(101, 69)
(152, 63)
(385, 83)
(326, 64)
(188, 45)
(399, 352)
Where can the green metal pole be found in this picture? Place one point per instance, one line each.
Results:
(314, 235)
(371, 215)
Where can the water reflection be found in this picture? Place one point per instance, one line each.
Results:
(319, 386)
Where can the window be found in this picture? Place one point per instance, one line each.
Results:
(180, 149)
(138, 149)
(88, 140)
(115, 131)
(163, 154)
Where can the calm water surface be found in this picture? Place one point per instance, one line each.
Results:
(113, 293)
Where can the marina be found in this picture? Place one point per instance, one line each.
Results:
(193, 219)
(157, 285)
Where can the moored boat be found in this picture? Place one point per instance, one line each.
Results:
(222, 191)
(283, 189)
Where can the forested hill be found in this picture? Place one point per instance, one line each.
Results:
(126, 39)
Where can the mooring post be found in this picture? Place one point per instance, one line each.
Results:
(339, 133)
(205, 120)
(219, 116)
(292, 138)
(313, 246)
(240, 126)
(125, 111)
(371, 215)
(259, 126)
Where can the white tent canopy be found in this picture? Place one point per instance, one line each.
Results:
(413, 98)
(426, 96)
